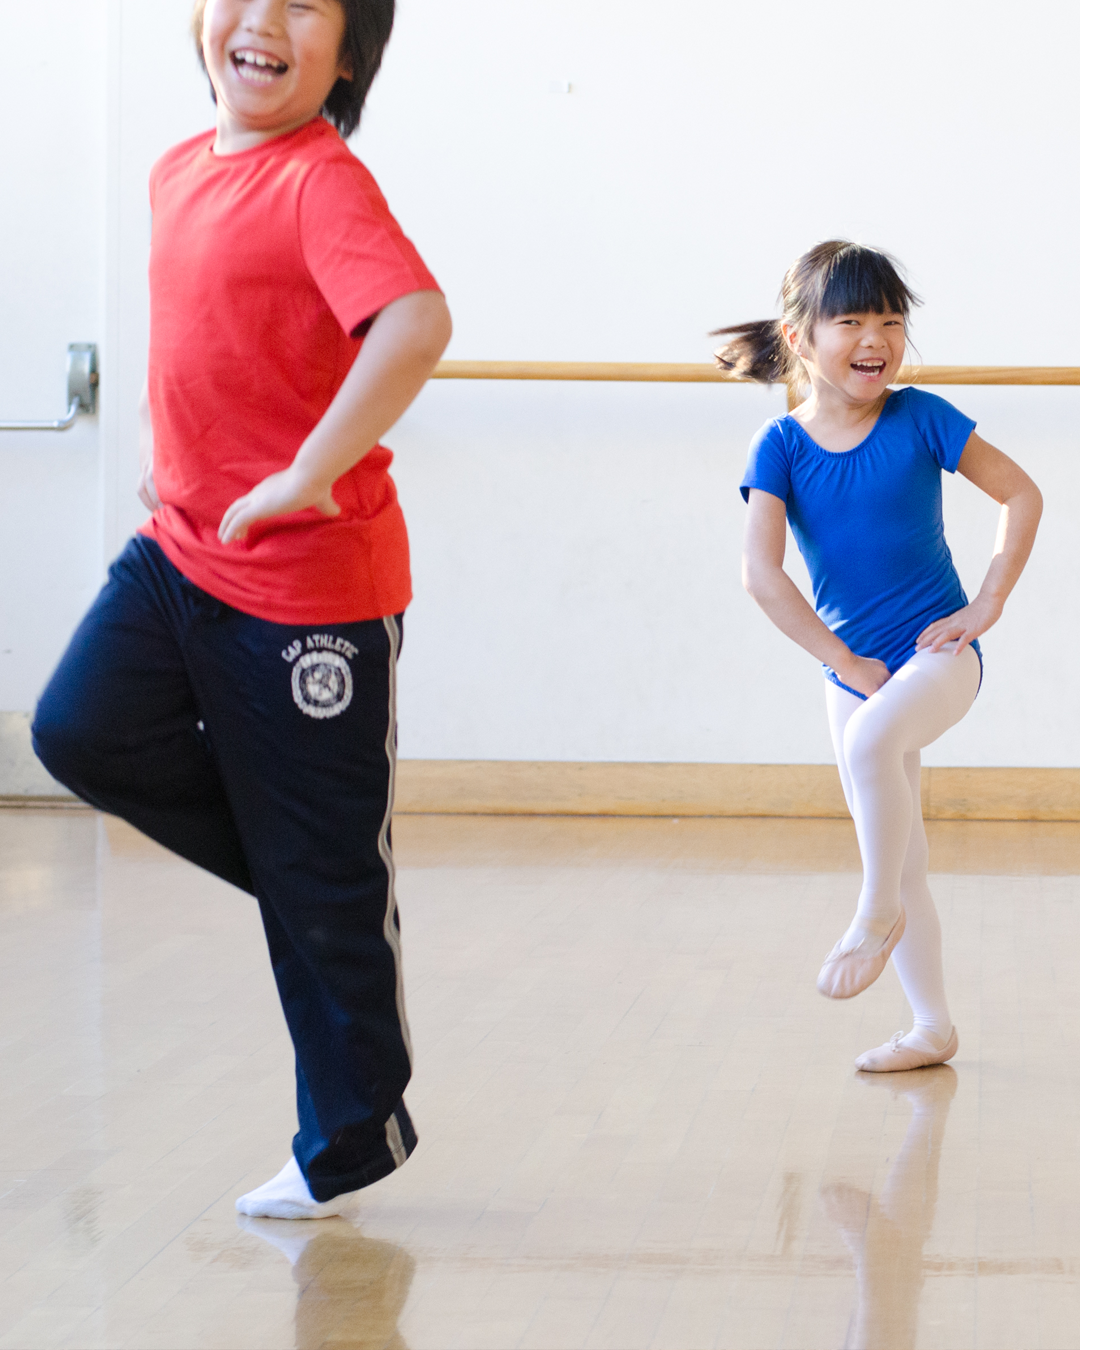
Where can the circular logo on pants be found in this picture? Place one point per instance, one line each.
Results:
(322, 684)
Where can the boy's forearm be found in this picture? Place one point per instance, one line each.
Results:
(398, 355)
(395, 361)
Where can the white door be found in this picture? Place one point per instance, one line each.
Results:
(91, 91)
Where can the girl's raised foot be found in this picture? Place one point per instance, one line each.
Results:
(287, 1196)
(916, 1050)
(847, 973)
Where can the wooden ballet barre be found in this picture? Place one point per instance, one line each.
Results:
(989, 375)
(696, 372)
(660, 372)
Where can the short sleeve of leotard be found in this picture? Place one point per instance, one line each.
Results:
(768, 466)
(943, 428)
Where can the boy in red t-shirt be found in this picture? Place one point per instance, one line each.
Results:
(232, 690)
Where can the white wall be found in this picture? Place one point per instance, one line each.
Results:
(704, 145)
(576, 546)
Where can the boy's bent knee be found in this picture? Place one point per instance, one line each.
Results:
(71, 762)
(73, 751)
(58, 745)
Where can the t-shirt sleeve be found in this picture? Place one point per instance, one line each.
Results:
(767, 464)
(944, 429)
(356, 252)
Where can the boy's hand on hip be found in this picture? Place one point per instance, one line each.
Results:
(146, 488)
(277, 495)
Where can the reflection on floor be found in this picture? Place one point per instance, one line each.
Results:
(887, 1237)
(639, 1122)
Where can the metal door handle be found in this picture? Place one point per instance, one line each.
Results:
(81, 390)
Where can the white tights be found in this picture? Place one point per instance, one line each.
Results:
(878, 743)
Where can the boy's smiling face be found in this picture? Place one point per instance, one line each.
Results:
(272, 64)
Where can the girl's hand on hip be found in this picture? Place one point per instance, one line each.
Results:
(960, 628)
(277, 495)
(863, 674)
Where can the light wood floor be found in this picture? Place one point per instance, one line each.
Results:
(639, 1122)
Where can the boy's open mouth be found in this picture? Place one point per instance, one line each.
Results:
(258, 67)
(869, 367)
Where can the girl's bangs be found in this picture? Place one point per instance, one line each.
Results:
(863, 281)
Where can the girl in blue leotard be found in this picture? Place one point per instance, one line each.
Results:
(856, 470)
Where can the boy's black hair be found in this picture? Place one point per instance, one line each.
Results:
(836, 277)
(368, 26)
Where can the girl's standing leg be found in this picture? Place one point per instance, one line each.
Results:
(917, 958)
(878, 743)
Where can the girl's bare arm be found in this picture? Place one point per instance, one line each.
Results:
(399, 353)
(767, 582)
(1003, 480)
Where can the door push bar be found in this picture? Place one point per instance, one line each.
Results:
(81, 390)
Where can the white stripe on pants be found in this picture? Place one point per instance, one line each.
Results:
(878, 743)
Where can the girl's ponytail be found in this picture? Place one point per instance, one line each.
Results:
(757, 351)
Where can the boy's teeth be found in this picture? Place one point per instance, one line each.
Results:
(259, 59)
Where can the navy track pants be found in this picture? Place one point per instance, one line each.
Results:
(264, 753)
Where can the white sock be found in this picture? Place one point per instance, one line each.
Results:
(287, 1196)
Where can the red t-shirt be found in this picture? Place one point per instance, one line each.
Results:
(266, 268)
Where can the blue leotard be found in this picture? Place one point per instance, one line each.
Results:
(868, 521)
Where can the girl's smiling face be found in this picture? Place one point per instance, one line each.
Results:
(272, 64)
(857, 355)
